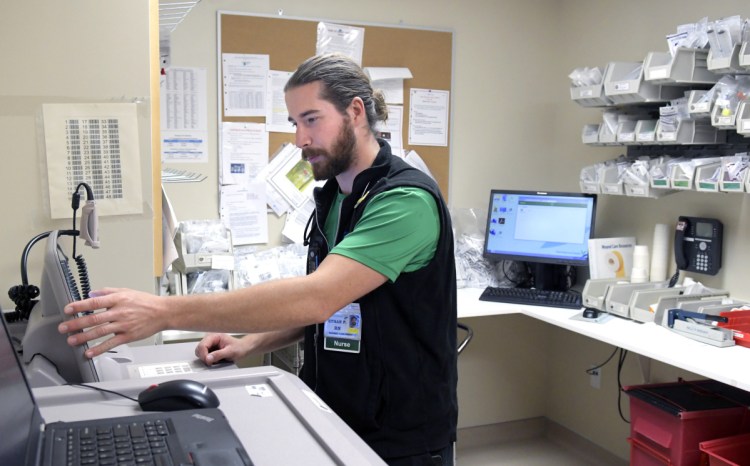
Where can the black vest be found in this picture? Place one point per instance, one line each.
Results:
(399, 392)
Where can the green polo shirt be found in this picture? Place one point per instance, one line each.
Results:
(398, 231)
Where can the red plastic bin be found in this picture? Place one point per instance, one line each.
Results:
(739, 321)
(668, 421)
(643, 455)
(728, 451)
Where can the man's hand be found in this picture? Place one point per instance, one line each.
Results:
(217, 347)
(124, 316)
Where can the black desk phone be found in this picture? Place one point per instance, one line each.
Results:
(697, 244)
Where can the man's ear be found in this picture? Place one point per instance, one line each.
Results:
(357, 111)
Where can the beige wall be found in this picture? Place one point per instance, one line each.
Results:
(70, 52)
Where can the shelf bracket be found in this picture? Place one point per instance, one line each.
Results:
(645, 364)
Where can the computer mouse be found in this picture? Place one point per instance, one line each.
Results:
(590, 313)
(175, 395)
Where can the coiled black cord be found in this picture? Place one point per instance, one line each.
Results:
(75, 203)
(83, 276)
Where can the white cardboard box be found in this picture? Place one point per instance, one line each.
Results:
(611, 257)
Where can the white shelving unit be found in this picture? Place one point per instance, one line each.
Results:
(645, 131)
(688, 67)
(728, 64)
(743, 118)
(705, 179)
(624, 83)
(691, 132)
(698, 106)
(631, 87)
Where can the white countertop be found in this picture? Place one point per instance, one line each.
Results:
(727, 365)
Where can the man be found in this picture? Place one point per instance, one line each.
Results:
(380, 255)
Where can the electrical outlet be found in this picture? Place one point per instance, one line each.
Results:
(596, 377)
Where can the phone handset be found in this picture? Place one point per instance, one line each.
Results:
(679, 238)
(698, 244)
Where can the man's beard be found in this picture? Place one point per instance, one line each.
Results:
(339, 159)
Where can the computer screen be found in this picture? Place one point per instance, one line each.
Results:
(46, 352)
(547, 229)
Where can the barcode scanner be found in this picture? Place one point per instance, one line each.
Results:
(89, 230)
(90, 224)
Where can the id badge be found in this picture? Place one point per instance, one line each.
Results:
(343, 330)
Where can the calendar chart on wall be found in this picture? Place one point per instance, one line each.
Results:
(96, 144)
(93, 155)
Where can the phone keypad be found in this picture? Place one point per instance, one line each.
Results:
(702, 262)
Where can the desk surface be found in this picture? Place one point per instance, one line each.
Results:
(277, 418)
(727, 365)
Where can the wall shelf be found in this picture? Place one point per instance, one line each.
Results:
(687, 67)
(634, 89)
(726, 64)
(624, 84)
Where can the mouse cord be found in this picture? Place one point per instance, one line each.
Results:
(620, 363)
(590, 370)
(83, 385)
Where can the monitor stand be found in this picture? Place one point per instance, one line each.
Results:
(551, 277)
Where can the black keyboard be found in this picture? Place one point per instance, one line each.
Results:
(531, 296)
(133, 443)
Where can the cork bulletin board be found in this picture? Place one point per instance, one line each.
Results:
(289, 41)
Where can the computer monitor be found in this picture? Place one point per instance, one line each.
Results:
(547, 230)
(48, 358)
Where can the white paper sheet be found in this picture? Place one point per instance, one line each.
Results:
(184, 126)
(244, 79)
(243, 209)
(289, 180)
(390, 81)
(296, 220)
(413, 159)
(347, 40)
(428, 117)
(391, 129)
(376, 73)
(96, 144)
(277, 116)
(244, 151)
